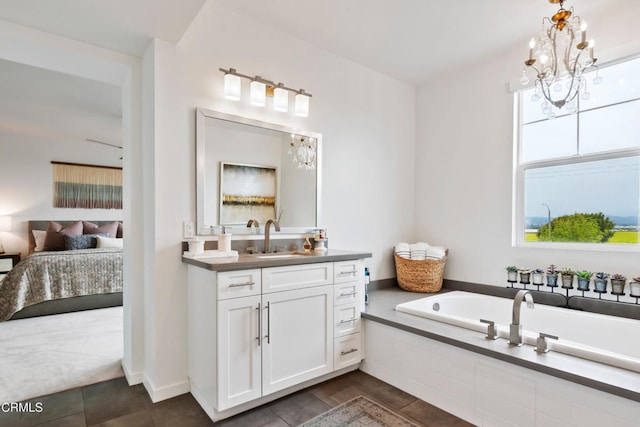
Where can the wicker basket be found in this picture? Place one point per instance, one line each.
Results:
(420, 275)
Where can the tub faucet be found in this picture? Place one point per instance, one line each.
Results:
(267, 228)
(515, 329)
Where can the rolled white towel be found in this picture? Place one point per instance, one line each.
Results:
(436, 252)
(403, 250)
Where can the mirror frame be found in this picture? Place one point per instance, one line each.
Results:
(203, 229)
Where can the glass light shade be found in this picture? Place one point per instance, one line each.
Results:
(280, 99)
(232, 87)
(302, 105)
(258, 94)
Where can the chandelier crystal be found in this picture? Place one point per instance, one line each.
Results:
(559, 56)
(303, 151)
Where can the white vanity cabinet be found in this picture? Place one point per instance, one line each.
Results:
(256, 333)
(348, 304)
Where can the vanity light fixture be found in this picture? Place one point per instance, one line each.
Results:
(261, 88)
(559, 56)
(258, 93)
(232, 86)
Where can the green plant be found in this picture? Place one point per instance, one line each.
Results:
(537, 271)
(567, 272)
(601, 275)
(618, 277)
(584, 274)
(579, 227)
(636, 280)
(512, 269)
(552, 269)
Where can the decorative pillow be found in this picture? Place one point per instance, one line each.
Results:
(85, 241)
(39, 236)
(54, 240)
(90, 228)
(108, 242)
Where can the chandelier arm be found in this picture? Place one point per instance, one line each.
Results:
(552, 34)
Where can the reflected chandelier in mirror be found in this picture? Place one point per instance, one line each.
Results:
(253, 170)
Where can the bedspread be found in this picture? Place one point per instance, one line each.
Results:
(44, 276)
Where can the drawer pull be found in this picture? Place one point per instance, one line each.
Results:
(349, 321)
(348, 273)
(353, 350)
(237, 285)
(349, 294)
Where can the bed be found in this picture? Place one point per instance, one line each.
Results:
(61, 281)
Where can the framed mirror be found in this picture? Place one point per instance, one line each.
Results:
(248, 169)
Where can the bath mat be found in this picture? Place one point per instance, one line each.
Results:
(359, 412)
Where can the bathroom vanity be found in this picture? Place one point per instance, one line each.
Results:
(262, 326)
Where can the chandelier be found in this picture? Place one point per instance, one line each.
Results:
(560, 55)
(303, 151)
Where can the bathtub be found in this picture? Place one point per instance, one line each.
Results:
(605, 339)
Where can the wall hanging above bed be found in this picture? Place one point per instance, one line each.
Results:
(86, 186)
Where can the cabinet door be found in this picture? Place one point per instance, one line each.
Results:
(297, 337)
(238, 352)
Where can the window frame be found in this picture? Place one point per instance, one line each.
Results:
(520, 167)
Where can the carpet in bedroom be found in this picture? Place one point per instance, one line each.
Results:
(47, 354)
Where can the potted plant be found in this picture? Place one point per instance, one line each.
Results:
(617, 284)
(634, 285)
(600, 282)
(525, 275)
(583, 279)
(567, 277)
(552, 276)
(512, 274)
(537, 276)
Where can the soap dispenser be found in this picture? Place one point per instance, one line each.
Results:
(224, 240)
(307, 245)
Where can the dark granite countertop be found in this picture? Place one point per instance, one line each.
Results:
(246, 261)
(617, 381)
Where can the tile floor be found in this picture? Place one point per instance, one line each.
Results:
(113, 403)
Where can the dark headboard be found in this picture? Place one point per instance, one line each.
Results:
(42, 225)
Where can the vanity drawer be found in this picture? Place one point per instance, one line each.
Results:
(348, 271)
(347, 293)
(276, 279)
(241, 283)
(346, 320)
(347, 351)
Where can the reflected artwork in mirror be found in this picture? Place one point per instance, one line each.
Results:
(246, 170)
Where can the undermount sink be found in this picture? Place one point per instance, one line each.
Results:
(276, 256)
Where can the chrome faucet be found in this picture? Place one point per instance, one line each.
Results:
(267, 228)
(515, 329)
(253, 222)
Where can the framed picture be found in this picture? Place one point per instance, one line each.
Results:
(247, 192)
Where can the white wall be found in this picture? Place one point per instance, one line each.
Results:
(367, 121)
(464, 163)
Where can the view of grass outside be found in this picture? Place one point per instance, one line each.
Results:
(619, 237)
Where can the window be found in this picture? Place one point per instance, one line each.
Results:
(577, 182)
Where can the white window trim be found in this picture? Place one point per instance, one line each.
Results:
(518, 219)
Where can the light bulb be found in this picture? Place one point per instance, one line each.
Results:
(583, 25)
(302, 104)
(280, 99)
(532, 43)
(232, 87)
(258, 93)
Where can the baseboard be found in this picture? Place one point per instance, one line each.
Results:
(133, 378)
(158, 394)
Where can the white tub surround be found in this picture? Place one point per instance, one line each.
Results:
(487, 382)
(605, 339)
